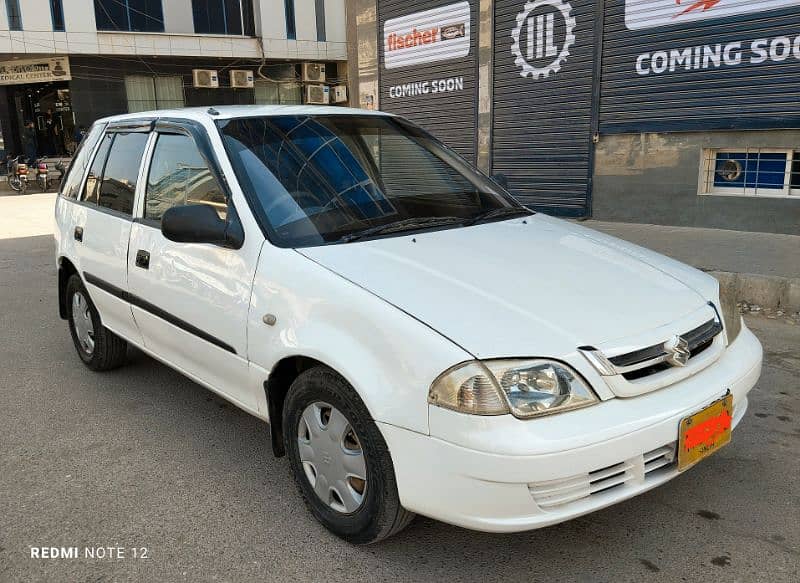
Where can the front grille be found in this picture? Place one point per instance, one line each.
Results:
(556, 494)
(653, 359)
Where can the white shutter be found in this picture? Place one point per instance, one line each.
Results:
(169, 92)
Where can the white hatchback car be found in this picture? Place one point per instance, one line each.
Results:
(418, 340)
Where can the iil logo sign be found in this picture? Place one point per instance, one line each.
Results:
(543, 37)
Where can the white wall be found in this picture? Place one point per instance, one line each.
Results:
(81, 36)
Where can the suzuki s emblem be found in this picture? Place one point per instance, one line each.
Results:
(678, 351)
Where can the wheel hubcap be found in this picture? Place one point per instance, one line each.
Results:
(332, 457)
(82, 321)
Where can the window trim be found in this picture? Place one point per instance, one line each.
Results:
(242, 34)
(708, 161)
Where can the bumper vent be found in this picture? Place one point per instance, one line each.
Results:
(556, 494)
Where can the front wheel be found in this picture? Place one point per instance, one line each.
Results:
(14, 183)
(340, 460)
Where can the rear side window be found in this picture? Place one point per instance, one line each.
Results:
(92, 187)
(179, 175)
(77, 168)
(121, 172)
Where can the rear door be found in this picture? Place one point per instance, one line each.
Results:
(108, 195)
(191, 300)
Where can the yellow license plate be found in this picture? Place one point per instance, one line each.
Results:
(704, 432)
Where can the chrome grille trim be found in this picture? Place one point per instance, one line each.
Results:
(697, 339)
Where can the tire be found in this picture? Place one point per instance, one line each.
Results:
(15, 184)
(379, 514)
(108, 350)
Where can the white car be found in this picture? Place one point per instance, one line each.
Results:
(418, 341)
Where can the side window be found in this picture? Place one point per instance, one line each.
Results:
(180, 175)
(92, 188)
(121, 172)
(77, 168)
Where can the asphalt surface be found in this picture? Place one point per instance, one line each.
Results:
(142, 457)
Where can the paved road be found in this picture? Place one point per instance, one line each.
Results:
(142, 457)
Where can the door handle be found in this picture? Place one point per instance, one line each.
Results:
(143, 259)
(78, 234)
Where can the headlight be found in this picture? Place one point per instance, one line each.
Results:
(731, 317)
(525, 388)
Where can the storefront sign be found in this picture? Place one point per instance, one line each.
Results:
(753, 52)
(34, 71)
(433, 35)
(536, 29)
(641, 14)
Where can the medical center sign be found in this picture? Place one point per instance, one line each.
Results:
(642, 15)
(439, 34)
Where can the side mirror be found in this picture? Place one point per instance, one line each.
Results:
(500, 180)
(200, 223)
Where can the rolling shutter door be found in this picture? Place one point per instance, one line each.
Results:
(681, 66)
(542, 126)
(431, 83)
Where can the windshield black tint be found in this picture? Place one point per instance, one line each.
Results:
(320, 179)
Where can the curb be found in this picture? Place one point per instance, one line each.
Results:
(769, 292)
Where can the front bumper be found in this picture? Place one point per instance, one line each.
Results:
(503, 475)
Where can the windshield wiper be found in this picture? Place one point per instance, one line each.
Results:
(403, 225)
(495, 213)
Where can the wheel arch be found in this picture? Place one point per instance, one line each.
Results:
(65, 270)
(277, 386)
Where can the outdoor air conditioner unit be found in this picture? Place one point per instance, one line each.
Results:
(314, 72)
(241, 78)
(317, 94)
(339, 93)
(205, 78)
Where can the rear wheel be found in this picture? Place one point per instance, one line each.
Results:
(98, 347)
(340, 460)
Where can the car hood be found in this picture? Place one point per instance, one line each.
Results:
(524, 287)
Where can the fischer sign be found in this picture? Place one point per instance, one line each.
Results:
(642, 14)
(438, 34)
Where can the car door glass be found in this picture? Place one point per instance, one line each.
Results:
(179, 175)
(72, 181)
(121, 172)
(92, 187)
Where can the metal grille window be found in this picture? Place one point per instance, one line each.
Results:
(129, 15)
(14, 15)
(57, 15)
(146, 93)
(275, 93)
(765, 172)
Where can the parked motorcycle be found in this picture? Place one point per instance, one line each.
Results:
(42, 179)
(18, 175)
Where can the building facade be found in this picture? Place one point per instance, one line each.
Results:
(65, 63)
(682, 112)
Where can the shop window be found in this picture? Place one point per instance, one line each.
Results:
(751, 172)
(223, 17)
(277, 93)
(57, 15)
(179, 175)
(146, 93)
(14, 15)
(129, 15)
(291, 26)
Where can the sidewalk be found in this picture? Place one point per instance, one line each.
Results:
(764, 268)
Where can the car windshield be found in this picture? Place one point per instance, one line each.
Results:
(338, 178)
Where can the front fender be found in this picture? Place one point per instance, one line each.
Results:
(389, 357)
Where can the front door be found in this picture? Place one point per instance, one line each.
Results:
(190, 300)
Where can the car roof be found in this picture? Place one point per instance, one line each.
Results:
(216, 112)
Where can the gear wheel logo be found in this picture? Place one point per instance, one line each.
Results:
(540, 32)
